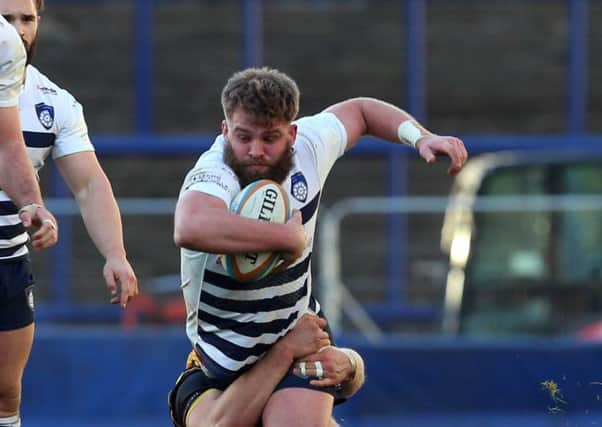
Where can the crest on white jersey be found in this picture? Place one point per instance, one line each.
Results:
(45, 115)
(299, 187)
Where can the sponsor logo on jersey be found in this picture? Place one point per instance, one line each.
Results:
(299, 187)
(206, 177)
(45, 115)
(46, 90)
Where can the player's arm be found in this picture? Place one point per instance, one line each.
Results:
(18, 180)
(203, 223)
(94, 195)
(368, 116)
(17, 177)
(243, 401)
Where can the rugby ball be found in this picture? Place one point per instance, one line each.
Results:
(262, 200)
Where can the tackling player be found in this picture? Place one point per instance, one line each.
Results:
(53, 124)
(198, 400)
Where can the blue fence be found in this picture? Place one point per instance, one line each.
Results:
(107, 377)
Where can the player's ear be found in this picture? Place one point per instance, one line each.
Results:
(293, 132)
(224, 128)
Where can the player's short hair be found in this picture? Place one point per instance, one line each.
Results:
(267, 94)
(39, 5)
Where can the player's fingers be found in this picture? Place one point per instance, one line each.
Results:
(296, 217)
(324, 342)
(45, 237)
(427, 153)
(126, 293)
(111, 284)
(458, 155)
(307, 368)
(312, 358)
(283, 266)
(46, 231)
(128, 290)
(461, 148)
(324, 382)
(135, 280)
(25, 218)
(321, 322)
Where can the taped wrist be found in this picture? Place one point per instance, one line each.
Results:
(30, 208)
(409, 133)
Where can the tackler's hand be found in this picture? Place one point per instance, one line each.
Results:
(328, 367)
(307, 337)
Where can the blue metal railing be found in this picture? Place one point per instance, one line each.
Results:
(578, 46)
(143, 65)
(415, 27)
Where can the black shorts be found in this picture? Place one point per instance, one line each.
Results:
(193, 382)
(16, 294)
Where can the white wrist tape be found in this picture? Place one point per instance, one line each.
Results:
(30, 208)
(409, 133)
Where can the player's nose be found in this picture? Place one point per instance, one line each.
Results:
(256, 149)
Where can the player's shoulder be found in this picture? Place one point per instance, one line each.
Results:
(210, 166)
(315, 119)
(41, 83)
(214, 155)
(319, 124)
(323, 128)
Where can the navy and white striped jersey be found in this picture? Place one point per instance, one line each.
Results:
(53, 123)
(232, 324)
(12, 64)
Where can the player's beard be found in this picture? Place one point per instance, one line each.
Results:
(276, 172)
(30, 49)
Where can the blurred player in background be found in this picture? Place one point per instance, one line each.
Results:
(231, 325)
(21, 209)
(199, 400)
(53, 123)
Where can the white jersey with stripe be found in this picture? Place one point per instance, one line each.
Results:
(12, 64)
(53, 123)
(232, 324)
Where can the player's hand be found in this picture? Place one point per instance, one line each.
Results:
(42, 224)
(297, 241)
(335, 367)
(307, 337)
(432, 146)
(120, 279)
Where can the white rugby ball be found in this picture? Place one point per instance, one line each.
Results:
(263, 200)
